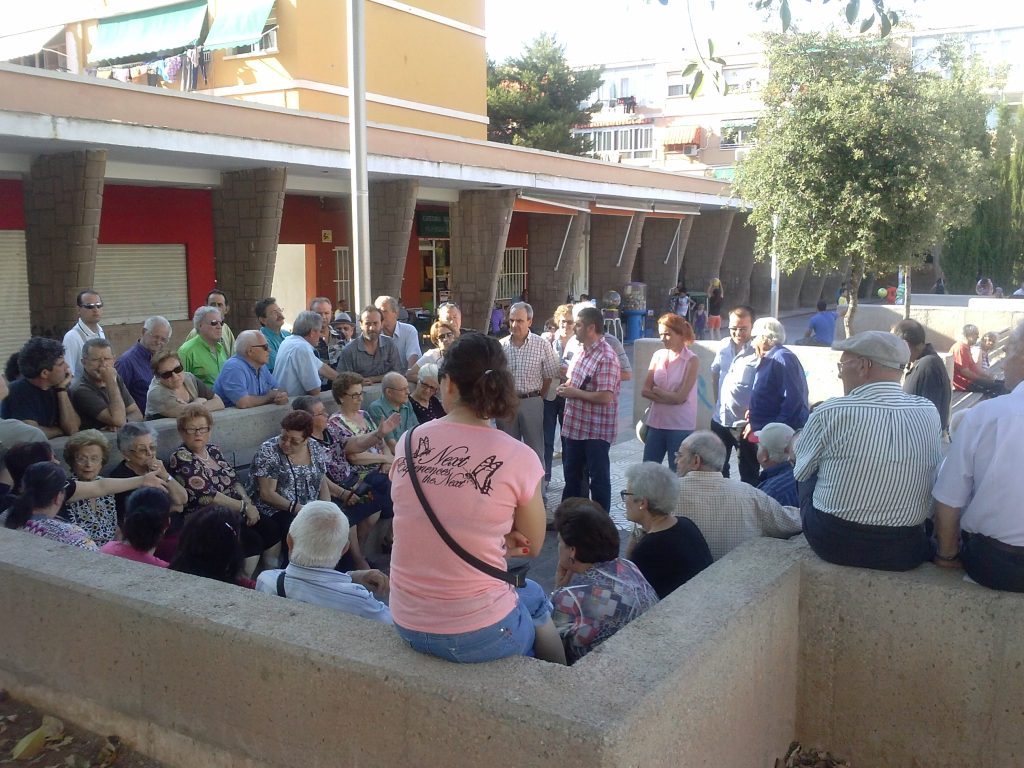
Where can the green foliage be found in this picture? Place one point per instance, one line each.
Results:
(533, 100)
(993, 242)
(862, 155)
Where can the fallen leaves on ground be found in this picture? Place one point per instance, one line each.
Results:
(799, 757)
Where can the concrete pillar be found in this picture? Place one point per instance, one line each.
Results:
(737, 263)
(654, 247)
(789, 289)
(614, 241)
(706, 247)
(833, 280)
(392, 207)
(479, 231)
(760, 288)
(63, 201)
(810, 291)
(548, 285)
(246, 224)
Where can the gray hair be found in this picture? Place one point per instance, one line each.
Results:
(656, 483)
(157, 321)
(98, 343)
(1014, 342)
(970, 330)
(428, 371)
(521, 305)
(130, 432)
(320, 300)
(246, 339)
(709, 447)
(386, 301)
(769, 328)
(306, 322)
(304, 403)
(319, 534)
(200, 316)
(390, 379)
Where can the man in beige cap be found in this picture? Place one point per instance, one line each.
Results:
(866, 461)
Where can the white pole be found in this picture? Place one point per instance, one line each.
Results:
(775, 269)
(357, 152)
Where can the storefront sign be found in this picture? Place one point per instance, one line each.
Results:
(432, 224)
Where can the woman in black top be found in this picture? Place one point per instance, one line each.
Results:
(669, 550)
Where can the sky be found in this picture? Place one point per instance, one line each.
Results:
(605, 31)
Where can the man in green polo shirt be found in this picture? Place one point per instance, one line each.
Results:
(204, 355)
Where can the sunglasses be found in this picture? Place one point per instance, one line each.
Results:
(215, 323)
(96, 305)
(260, 346)
(167, 374)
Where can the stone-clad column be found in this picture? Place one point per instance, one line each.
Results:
(737, 264)
(607, 236)
(479, 231)
(547, 233)
(392, 207)
(706, 247)
(652, 269)
(63, 202)
(810, 291)
(246, 226)
(789, 288)
(760, 289)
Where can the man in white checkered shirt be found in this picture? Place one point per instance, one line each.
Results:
(727, 511)
(533, 364)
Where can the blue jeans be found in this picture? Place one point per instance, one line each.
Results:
(587, 458)
(662, 441)
(553, 410)
(512, 636)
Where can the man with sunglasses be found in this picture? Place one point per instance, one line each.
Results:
(204, 355)
(90, 312)
(245, 380)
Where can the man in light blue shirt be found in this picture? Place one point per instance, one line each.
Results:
(317, 539)
(404, 336)
(245, 381)
(394, 399)
(299, 369)
(732, 380)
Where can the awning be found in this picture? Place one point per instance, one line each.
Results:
(525, 204)
(238, 23)
(681, 134)
(26, 43)
(149, 35)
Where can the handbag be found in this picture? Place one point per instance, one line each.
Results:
(514, 576)
(641, 426)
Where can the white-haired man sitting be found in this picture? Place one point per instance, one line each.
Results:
(317, 539)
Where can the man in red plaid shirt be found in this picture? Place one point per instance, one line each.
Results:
(591, 410)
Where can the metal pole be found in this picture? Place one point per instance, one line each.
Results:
(359, 184)
(775, 269)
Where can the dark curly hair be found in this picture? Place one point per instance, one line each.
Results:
(476, 364)
(39, 354)
(582, 523)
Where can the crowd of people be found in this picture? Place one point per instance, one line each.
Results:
(447, 470)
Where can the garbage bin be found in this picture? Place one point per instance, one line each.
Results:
(634, 323)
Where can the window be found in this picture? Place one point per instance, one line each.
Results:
(137, 281)
(266, 44)
(737, 133)
(627, 142)
(16, 330)
(512, 279)
(679, 89)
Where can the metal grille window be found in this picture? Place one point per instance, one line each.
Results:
(343, 281)
(137, 281)
(512, 279)
(737, 133)
(15, 330)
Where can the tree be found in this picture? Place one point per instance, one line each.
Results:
(993, 243)
(862, 153)
(533, 100)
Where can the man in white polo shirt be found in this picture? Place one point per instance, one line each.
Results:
(90, 312)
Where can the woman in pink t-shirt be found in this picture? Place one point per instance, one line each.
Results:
(484, 488)
(671, 386)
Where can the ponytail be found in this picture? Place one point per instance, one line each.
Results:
(41, 484)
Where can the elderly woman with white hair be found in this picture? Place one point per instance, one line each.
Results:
(668, 550)
(780, 384)
(424, 401)
(317, 539)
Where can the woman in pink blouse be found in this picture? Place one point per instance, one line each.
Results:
(671, 386)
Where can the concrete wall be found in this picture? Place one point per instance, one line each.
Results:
(943, 324)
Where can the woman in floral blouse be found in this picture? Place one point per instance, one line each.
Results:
(208, 478)
(87, 452)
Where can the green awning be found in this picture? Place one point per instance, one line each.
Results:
(149, 35)
(238, 23)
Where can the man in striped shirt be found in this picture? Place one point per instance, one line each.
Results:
(866, 462)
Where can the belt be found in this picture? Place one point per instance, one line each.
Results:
(524, 395)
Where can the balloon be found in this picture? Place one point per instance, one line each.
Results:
(882, 293)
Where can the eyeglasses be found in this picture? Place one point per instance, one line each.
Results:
(353, 394)
(215, 323)
(431, 387)
(259, 346)
(398, 389)
(94, 305)
(197, 431)
(445, 336)
(167, 374)
(624, 493)
(840, 365)
(144, 450)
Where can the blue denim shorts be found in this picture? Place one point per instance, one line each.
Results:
(512, 636)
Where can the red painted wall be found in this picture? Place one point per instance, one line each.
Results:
(302, 220)
(12, 205)
(164, 215)
(518, 231)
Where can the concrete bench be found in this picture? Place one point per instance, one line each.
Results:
(237, 431)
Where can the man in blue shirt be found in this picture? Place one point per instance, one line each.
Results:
(245, 381)
(821, 330)
(394, 399)
(779, 392)
(271, 320)
(774, 454)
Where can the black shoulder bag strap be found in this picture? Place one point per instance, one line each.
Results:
(514, 576)
(280, 585)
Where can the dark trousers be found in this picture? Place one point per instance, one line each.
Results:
(587, 459)
(750, 470)
(553, 410)
(988, 388)
(992, 563)
(881, 547)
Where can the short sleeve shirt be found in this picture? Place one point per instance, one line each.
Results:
(27, 402)
(297, 369)
(91, 400)
(238, 379)
(197, 358)
(354, 357)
